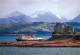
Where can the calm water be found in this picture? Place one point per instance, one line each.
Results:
(38, 51)
(34, 51)
(4, 38)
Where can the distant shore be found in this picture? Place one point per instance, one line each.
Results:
(24, 34)
(61, 43)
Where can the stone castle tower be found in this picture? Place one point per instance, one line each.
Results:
(60, 29)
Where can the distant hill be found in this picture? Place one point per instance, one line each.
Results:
(33, 28)
(48, 17)
(76, 19)
(16, 17)
(29, 28)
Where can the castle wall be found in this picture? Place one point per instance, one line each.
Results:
(68, 30)
(58, 28)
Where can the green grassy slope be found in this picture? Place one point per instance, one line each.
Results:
(32, 28)
(36, 27)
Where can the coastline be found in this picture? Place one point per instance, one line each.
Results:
(41, 44)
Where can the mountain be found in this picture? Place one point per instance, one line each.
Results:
(33, 28)
(62, 18)
(16, 17)
(76, 19)
(48, 17)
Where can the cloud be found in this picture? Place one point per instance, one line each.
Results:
(65, 8)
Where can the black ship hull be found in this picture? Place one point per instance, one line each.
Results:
(27, 40)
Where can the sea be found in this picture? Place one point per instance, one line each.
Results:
(35, 50)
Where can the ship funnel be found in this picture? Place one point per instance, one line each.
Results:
(32, 35)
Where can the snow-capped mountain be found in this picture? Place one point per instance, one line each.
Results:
(15, 13)
(16, 17)
(76, 19)
(47, 17)
(62, 18)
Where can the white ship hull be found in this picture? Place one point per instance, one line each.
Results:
(29, 40)
(23, 38)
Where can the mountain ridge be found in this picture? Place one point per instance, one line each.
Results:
(48, 17)
(19, 17)
(16, 17)
(76, 19)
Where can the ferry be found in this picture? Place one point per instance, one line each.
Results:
(29, 38)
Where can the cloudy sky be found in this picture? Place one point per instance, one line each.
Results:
(65, 8)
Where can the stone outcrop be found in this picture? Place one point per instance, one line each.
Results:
(63, 37)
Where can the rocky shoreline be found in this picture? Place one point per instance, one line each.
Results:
(57, 43)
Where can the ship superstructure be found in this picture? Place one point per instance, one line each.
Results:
(30, 38)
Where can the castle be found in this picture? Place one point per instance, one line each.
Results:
(60, 29)
(64, 32)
